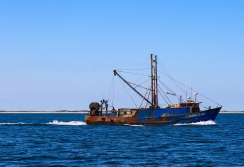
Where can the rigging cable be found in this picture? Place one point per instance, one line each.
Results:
(145, 96)
(133, 73)
(139, 84)
(113, 94)
(168, 74)
(129, 94)
(166, 87)
(132, 69)
(116, 93)
(165, 96)
(111, 85)
(149, 94)
(177, 96)
(190, 88)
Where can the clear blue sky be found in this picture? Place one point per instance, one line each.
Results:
(60, 54)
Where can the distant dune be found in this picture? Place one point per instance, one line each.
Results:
(45, 112)
(232, 112)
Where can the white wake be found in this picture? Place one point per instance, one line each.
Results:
(73, 123)
(12, 123)
(132, 125)
(210, 122)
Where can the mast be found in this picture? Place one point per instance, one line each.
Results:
(154, 81)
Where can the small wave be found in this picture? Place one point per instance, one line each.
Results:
(74, 123)
(210, 122)
(12, 123)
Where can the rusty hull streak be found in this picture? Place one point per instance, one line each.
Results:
(109, 120)
(117, 120)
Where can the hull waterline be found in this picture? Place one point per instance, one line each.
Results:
(156, 117)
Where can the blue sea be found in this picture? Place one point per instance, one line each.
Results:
(65, 140)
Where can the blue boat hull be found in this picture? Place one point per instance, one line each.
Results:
(175, 115)
(161, 116)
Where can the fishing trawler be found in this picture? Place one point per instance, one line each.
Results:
(187, 111)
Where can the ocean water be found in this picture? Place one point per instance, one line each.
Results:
(65, 140)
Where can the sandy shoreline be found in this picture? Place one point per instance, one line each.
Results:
(43, 112)
(84, 112)
(231, 112)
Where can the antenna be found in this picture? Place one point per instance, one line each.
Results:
(195, 96)
(191, 91)
(186, 91)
